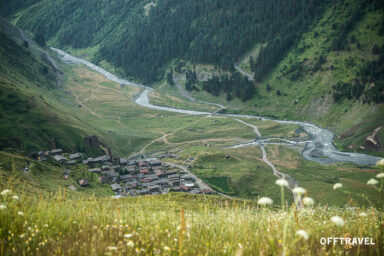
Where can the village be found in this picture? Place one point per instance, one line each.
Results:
(129, 177)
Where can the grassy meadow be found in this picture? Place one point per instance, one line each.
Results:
(34, 221)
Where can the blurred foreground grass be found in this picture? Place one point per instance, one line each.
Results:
(174, 224)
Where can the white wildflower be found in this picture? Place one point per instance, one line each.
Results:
(130, 243)
(302, 233)
(338, 221)
(265, 201)
(282, 182)
(308, 201)
(6, 192)
(3, 207)
(372, 182)
(15, 197)
(380, 175)
(363, 214)
(380, 163)
(299, 190)
(20, 213)
(128, 235)
(337, 185)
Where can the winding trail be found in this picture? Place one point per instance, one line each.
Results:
(250, 77)
(291, 181)
(85, 107)
(184, 94)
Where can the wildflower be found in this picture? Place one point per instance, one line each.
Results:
(380, 175)
(20, 213)
(112, 248)
(15, 197)
(6, 192)
(338, 221)
(308, 201)
(3, 207)
(166, 248)
(302, 233)
(372, 182)
(298, 190)
(265, 201)
(130, 243)
(337, 185)
(128, 235)
(380, 163)
(363, 214)
(282, 182)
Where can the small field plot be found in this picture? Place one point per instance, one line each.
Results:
(237, 172)
(210, 128)
(318, 179)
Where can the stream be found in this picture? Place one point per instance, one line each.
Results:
(319, 148)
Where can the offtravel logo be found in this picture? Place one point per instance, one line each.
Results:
(347, 241)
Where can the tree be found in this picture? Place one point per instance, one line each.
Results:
(40, 40)
(229, 96)
(170, 78)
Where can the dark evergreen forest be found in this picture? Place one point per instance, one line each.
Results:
(204, 31)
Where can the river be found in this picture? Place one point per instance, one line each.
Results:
(319, 148)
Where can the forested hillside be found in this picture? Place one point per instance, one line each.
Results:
(29, 116)
(141, 41)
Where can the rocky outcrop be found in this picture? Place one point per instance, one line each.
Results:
(371, 140)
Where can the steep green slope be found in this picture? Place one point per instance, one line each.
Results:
(305, 84)
(29, 120)
(336, 86)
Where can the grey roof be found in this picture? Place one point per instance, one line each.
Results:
(126, 177)
(187, 177)
(123, 161)
(161, 181)
(115, 187)
(59, 158)
(111, 173)
(99, 158)
(173, 176)
(94, 170)
(75, 156)
(56, 151)
(142, 191)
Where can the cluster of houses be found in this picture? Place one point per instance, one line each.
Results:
(129, 177)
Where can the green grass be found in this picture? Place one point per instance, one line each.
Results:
(319, 178)
(72, 223)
